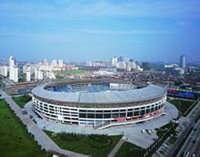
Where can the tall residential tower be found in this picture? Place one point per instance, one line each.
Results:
(13, 70)
(183, 61)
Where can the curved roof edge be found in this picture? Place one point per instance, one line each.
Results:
(143, 94)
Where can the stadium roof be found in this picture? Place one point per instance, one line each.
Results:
(135, 95)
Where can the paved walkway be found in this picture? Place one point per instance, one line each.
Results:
(39, 135)
(116, 148)
(132, 131)
(184, 122)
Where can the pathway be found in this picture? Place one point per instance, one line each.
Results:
(116, 148)
(132, 131)
(44, 140)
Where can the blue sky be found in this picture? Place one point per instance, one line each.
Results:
(77, 30)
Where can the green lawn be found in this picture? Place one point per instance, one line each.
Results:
(74, 72)
(63, 74)
(22, 100)
(14, 138)
(93, 145)
(70, 72)
(181, 105)
(162, 130)
(130, 150)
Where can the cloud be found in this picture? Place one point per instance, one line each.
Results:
(40, 37)
(125, 32)
(136, 8)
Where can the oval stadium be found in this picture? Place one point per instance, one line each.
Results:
(98, 103)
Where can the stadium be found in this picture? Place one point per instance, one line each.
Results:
(98, 103)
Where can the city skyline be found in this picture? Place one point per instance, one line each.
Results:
(51, 60)
(98, 30)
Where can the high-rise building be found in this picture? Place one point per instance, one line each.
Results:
(11, 61)
(125, 63)
(4, 71)
(183, 61)
(28, 74)
(54, 63)
(114, 61)
(129, 66)
(121, 65)
(25, 68)
(39, 75)
(13, 70)
(60, 63)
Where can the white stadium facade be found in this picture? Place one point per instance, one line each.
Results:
(98, 103)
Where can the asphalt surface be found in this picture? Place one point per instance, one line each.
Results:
(192, 142)
(185, 140)
(39, 135)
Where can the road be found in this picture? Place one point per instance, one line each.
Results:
(191, 118)
(192, 142)
(45, 141)
(195, 147)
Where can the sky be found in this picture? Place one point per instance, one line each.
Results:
(79, 30)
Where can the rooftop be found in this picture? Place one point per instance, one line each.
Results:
(132, 95)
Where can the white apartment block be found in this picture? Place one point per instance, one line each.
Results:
(28, 74)
(60, 63)
(4, 71)
(13, 70)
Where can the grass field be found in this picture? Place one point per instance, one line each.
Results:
(71, 72)
(63, 74)
(14, 138)
(22, 100)
(93, 145)
(74, 72)
(130, 150)
(162, 130)
(181, 105)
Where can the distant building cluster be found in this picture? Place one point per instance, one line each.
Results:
(171, 65)
(96, 64)
(39, 71)
(43, 70)
(105, 71)
(123, 63)
(181, 68)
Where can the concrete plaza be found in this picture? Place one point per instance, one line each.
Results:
(133, 133)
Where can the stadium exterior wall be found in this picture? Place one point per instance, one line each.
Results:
(99, 117)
